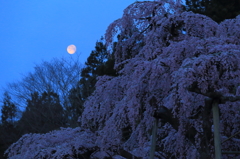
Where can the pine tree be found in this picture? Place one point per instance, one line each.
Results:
(107, 68)
(218, 10)
(43, 114)
(99, 63)
(86, 84)
(76, 106)
(9, 111)
(90, 72)
(9, 133)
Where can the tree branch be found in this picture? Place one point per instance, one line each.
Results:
(214, 95)
(126, 154)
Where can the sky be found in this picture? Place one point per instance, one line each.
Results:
(35, 30)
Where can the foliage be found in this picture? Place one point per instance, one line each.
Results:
(43, 114)
(98, 63)
(90, 71)
(172, 65)
(218, 10)
(9, 111)
(8, 129)
(75, 108)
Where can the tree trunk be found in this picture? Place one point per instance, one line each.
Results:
(217, 142)
(154, 139)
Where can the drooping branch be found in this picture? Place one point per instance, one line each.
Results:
(165, 115)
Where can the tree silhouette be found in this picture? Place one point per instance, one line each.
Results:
(9, 133)
(59, 75)
(9, 111)
(218, 10)
(43, 114)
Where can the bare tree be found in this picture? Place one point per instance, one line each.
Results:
(58, 75)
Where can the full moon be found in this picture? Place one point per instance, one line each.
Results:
(71, 49)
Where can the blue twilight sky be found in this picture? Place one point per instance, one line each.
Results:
(36, 30)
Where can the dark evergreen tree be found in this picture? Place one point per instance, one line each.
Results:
(218, 10)
(43, 114)
(76, 106)
(8, 131)
(90, 72)
(107, 68)
(99, 63)
(9, 111)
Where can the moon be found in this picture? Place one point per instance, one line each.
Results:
(71, 49)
